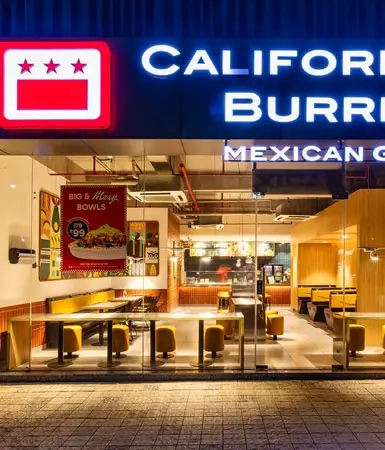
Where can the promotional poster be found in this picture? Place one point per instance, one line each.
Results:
(93, 229)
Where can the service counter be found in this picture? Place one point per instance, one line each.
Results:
(280, 293)
(202, 293)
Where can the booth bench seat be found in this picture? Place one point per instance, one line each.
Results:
(72, 304)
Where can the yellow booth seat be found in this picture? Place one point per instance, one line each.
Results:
(69, 305)
(76, 303)
(321, 295)
(336, 301)
(304, 292)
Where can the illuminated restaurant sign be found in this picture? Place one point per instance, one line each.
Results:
(93, 228)
(308, 153)
(55, 85)
(253, 105)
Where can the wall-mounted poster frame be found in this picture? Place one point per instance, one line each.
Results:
(49, 241)
(143, 248)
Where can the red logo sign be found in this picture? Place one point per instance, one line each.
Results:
(55, 85)
(93, 228)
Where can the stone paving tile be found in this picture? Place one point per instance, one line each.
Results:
(240, 415)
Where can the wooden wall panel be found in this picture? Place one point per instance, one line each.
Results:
(371, 218)
(280, 295)
(174, 267)
(38, 328)
(316, 264)
(365, 210)
(201, 295)
(350, 262)
(294, 276)
(371, 294)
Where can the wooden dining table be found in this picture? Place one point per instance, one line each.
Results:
(127, 298)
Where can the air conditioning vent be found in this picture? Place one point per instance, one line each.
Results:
(292, 218)
(214, 222)
(300, 210)
(159, 197)
(158, 189)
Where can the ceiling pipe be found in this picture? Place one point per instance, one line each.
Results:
(188, 185)
(90, 174)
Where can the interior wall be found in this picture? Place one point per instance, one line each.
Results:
(19, 227)
(174, 267)
(141, 282)
(371, 294)
(350, 261)
(316, 264)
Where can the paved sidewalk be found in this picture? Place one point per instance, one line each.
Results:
(236, 415)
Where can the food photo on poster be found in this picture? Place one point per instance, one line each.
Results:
(93, 231)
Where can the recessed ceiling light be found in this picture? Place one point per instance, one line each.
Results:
(12, 186)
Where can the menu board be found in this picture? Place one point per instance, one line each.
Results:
(49, 249)
(243, 248)
(142, 249)
(93, 228)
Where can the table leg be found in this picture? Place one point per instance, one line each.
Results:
(241, 344)
(100, 342)
(200, 343)
(60, 345)
(109, 343)
(346, 346)
(200, 362)
(153, 362)
(152, 342)
(60, 349)
(101, 331)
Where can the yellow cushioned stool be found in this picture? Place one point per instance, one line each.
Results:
(120, 339)
(214, 339)
(72, 338)
(274, 325)
(166, 340)
(356, 338)
(269, 312)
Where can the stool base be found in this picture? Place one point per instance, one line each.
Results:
(166, 355)
(196, 363)
(214, 355)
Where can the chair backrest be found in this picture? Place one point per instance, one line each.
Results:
(69, 305)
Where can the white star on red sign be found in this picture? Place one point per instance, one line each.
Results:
(51, 66)
(26, 66)
(79, 66)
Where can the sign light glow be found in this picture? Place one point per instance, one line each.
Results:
(308, 153)
(55, 85)
(252, 106)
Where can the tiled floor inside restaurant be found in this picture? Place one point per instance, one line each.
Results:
(239, 415)
(304, 345)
